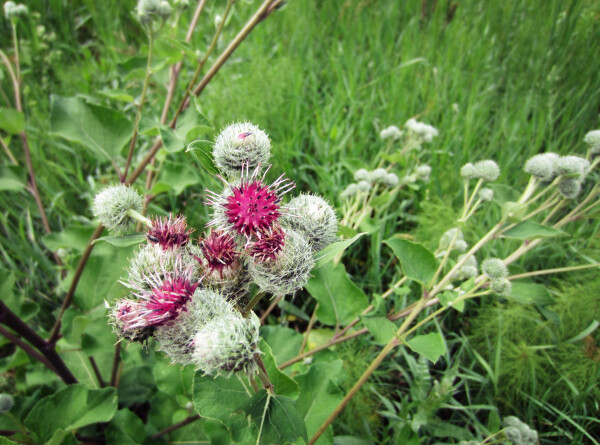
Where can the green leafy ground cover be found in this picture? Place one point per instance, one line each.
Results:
(500, 80)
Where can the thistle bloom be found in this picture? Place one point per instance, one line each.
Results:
(494, 268)
(312, 217)
(268, 246)
(362, 175)
(542, 166)
(289, 271)
(241, 145)
(592, 138)
(391, 132)
(111, 207)
(169, 232)
(487, 170)
(252, 207)
(227, 343)
(219, 255)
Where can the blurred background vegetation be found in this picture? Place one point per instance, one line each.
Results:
(499, 79)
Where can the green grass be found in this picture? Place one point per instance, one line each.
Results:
(501, 80)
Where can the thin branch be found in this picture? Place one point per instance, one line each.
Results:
(8, 152)
(14, 322)
(115, 367)
(176, 426)
(272, 306)
(97, 371)
(311, 323)
(262, 12)
(27, 348)
(76, 277)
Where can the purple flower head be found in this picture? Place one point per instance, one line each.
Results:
(169, 232)
(252, 207)
(267, 246)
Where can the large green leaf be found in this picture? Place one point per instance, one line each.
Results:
(70, 408)
(202, 151)
(340, 300)
(218, 398)
(190, 126)
(125, 428)
(430, 345)
(102, 130)
(176, 177)
(11, 120)
(122, 241)
(329, 252)
(528, 230)
(319, 396)
(277, 419)
(383, 330)
(418, 263)
(284, 342)
(530, 293)
(284, 385)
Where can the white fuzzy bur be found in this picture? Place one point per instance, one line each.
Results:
(312, 217)
(592, 139)
(227, 343)
(542, 166)
(240, 145)
(290, 271)
(424, 131)
(112, 204)
(391, 132)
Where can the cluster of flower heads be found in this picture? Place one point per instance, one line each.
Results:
(13, 11)
(518, 432)
(365, 180)
(496, 271)
(418, 130)
(189, 294)
(149, 11)
(569, 171)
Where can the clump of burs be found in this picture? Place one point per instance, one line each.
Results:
(192, 296)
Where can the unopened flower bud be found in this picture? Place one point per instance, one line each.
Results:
(351, 190)
(486, 194)
(542, 166)
(570, 188)
(361, 175)
(487, 170)
(592, 138)
(6, 403)
(312, 217)
(391, 132)
(363, 186)
(378, 175)
(494, 268)
(572, 165)
(468, 171)
(460, 245)
(423, 172)
(240, 146)
(390, 180)
(111, 207)
(501, 286)
(450, 234)
(469, 268)
(513, 434)
(290, 270)
(227, 344)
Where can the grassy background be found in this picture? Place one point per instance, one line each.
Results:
(501, 80)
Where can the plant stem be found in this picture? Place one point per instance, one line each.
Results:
(115, 367)
(255, 299)
(263, 11)
(372, 367)
(97, 371)
(311, 323)
(76, 277)
(11, 320)
(27, 348)
(272, 306)
(8, 152)
(552, 271)
(138, 115)
(139, 217)
(209, 51)
(176, 426)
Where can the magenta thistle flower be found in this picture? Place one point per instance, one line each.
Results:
(169, 232)
(268, 246)
(251, 208)
(220, 254)
(166, 298)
